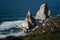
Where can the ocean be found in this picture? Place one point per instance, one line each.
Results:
(13, 13)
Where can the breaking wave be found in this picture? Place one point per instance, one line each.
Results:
(11, 28)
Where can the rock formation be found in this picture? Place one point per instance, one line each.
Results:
(42, 13)
(49, 14)
(29, 22)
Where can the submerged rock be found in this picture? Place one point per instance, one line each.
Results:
(29, 22)
(42, 13)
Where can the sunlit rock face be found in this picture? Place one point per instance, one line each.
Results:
(29, 22)
(42, 13)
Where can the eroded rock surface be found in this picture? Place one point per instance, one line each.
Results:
(42, 13)
(29, 22)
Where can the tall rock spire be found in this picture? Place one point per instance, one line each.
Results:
(42, 12)
(25, 23)
(29, 22)
(29, 15)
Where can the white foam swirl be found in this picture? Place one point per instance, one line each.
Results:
(8, 25)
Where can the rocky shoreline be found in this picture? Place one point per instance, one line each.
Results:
(48, 28)
(42, 24)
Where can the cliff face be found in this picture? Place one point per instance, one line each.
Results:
(29, 22)
(42, 13)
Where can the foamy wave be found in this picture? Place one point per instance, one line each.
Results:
(9, 24)
(21, 33)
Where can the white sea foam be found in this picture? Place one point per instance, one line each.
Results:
(14, 34)
(8, 25)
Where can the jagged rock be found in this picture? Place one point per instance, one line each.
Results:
(43, 18)
(42, 13)
(29, 22)
(49, 14)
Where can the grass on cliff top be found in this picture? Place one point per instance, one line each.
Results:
(53, 36)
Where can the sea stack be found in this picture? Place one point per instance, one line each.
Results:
(29, 22)
(42, 13)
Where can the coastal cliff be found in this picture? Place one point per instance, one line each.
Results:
(31, 23)
(50, 30)
(44, 26)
